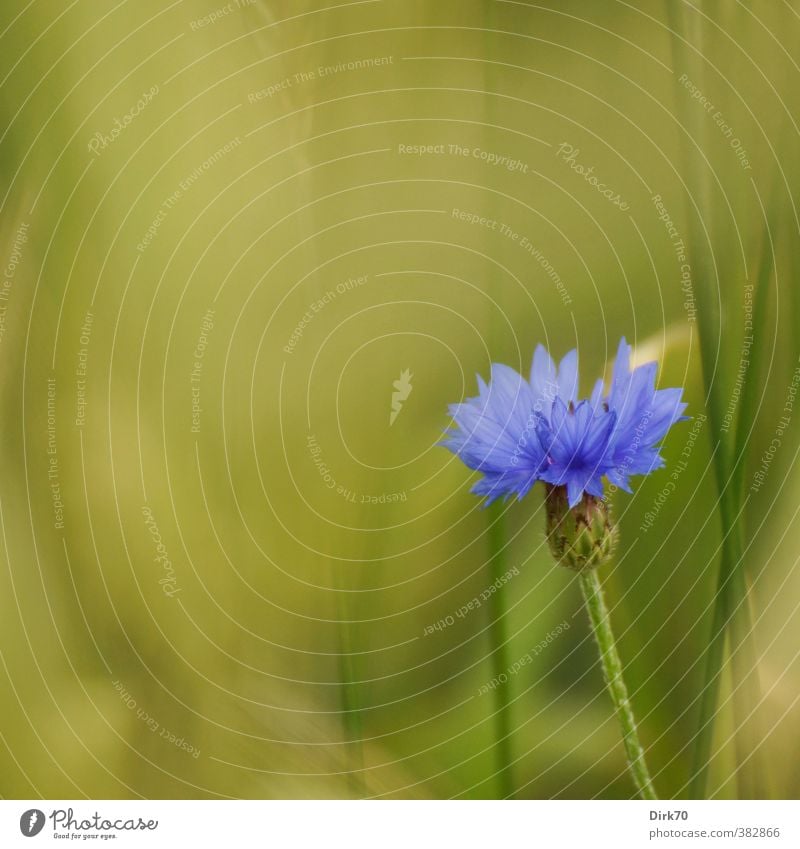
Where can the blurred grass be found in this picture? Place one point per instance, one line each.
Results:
(732, 616)
(244, 663)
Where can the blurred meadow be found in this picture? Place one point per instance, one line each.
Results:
(226, 233)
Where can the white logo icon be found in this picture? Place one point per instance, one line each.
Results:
(403, 389)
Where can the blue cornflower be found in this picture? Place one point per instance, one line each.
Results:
(518, 431)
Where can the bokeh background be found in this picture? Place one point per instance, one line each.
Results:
(226, 231)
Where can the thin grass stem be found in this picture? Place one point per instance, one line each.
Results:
(498, 638)
(349, 701)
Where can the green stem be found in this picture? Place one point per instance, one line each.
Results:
(351, 715)
(349, 701)
(732, 617)
(715, 654)
(752, 774)
(499, 653)
(612, 671)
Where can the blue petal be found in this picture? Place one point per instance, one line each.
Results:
(597, 395)
(504, 485)
(621, 370)
(568, 377)
(543, 382)
(596, 441)
(578, 482)
(619, 479)
(666, 409)
(495, 431)
(594, 486)
(574, 491)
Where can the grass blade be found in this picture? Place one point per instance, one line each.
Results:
(731, 615)
(498, 638)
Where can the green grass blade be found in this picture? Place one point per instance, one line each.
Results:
(349, 700)
(731, 614)
(498, 637)
(750, 399)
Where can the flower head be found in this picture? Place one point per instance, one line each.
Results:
(518, 431)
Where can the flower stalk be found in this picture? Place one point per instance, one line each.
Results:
(581, 538)
(612, 671)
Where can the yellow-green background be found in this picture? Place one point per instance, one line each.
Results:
(245, 663)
